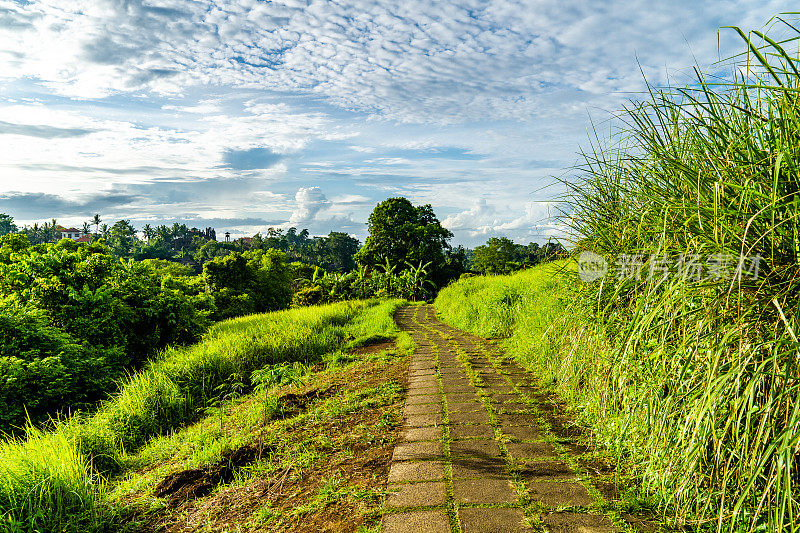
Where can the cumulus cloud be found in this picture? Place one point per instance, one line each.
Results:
(309, 201)
(421, 61)
(468, 219)
(537, 221)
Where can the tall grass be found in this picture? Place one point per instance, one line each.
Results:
(706, 369)
(695, 380)
(51, 481)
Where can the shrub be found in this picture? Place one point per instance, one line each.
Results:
(255, 281)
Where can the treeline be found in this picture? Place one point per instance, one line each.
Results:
(501, 255)
(194, 247)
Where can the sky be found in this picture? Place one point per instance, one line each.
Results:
(250, 114)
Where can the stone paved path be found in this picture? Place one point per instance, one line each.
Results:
(476, 454)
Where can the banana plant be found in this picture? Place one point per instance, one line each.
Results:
(389, 276)
(418, 278)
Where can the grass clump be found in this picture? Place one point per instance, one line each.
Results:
(52, 480)
(47, 485)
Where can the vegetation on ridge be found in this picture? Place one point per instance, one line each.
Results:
(57, 481)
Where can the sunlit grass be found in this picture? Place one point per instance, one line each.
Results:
(51, 481)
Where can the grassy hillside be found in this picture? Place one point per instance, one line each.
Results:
(58, 480)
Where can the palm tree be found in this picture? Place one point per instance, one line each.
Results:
(54, 234)
(148, 232)
(86, 228)
(96, 221)
(104, 230)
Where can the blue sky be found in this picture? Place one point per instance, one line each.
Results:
(248, 114)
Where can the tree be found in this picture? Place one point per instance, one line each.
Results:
(85, 227)
(41, 234)
(96, 221)
(339, 249)
(253, 281)
(209, 250)
(7, 224)
(155, 248)
(122, 238)
(495, 257)
(148, 232)
(401, 233)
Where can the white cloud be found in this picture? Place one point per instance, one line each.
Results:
(346, 199)
(338, 94)
(309, 201)
(537, 221)
(468, 219)
(440, 62)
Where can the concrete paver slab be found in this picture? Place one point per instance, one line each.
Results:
(492, 520)
(412, 451)
(416, 522)
(416, 471)
(483, 491)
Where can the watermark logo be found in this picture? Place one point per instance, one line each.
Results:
(591, 266)
(690, 267)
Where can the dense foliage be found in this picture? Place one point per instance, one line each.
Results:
(502, 255)
(251, 282)
(698, 215)
(54, 481)
(7, 224)
(74, 318)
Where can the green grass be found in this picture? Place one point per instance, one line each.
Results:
(537, 314)
(308, 444)
(55, 481)
(707, 368)
(697, 382)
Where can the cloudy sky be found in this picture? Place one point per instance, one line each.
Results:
(248, 114)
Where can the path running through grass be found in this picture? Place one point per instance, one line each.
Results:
(482, 449)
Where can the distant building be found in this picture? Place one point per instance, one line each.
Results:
(71, 233)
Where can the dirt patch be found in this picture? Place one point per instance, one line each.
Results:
(194, 483)
(294, 403)
(375, 346)
(354, 449)
(609, 489)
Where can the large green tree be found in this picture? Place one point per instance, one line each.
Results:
(251, 282)
(338, 250)
(496, 256)
(401, 233)
(122, 238)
